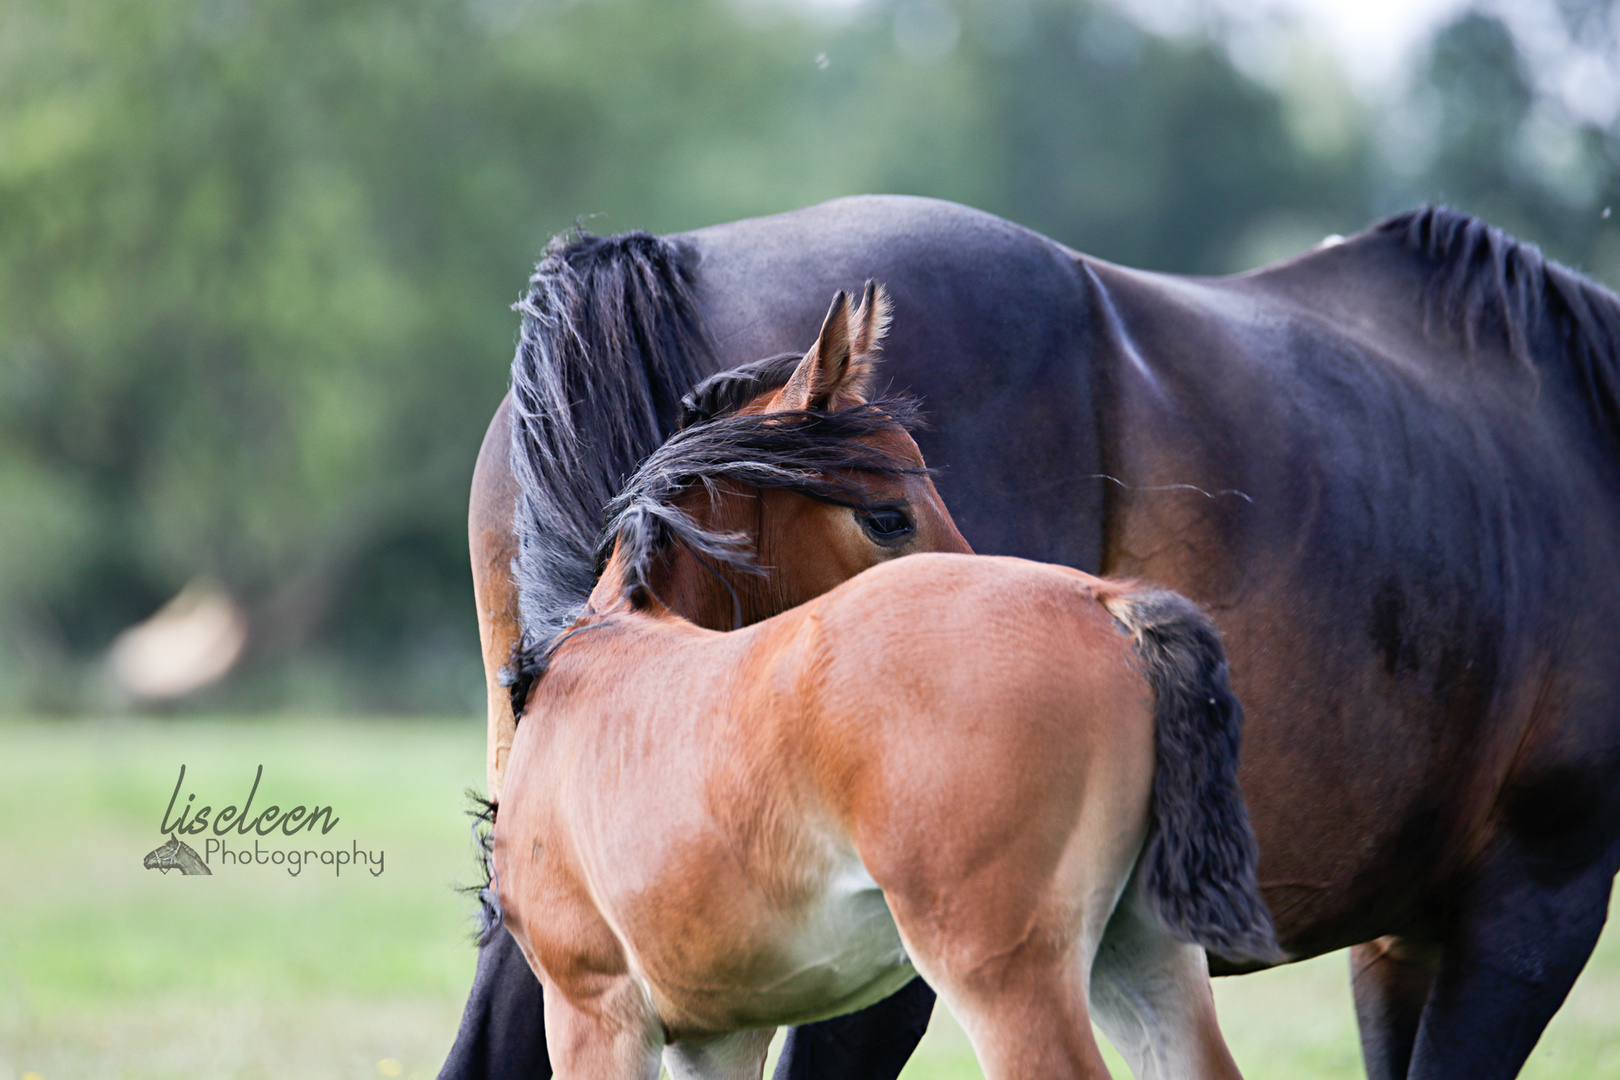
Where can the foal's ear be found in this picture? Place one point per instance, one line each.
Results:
(837, 371)
(871, 325)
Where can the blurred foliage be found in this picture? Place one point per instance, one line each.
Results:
(255, 257)
(1502, 142)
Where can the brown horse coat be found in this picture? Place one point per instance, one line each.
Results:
(834, 754)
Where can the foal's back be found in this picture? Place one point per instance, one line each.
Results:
(958, 676)
(992, 705)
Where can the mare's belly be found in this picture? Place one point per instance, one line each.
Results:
(838, 954)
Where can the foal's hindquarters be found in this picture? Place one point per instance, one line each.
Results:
(945, 765)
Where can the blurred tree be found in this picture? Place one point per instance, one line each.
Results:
(255, 258)
(1520, 128)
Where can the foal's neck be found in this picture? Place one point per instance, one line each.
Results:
(683, 588)
(610, 597)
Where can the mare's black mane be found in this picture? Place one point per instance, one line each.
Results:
(1489, 285)
(609, 342)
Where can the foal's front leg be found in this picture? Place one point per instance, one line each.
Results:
(738, 1056)
(607, 1038)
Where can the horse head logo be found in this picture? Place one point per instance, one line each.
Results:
(176, 855)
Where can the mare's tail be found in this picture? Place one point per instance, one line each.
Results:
(1198, 866)
(610, 341)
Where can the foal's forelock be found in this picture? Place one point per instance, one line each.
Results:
(731, 390)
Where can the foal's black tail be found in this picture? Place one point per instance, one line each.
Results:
(610, 341)
(1198, 865)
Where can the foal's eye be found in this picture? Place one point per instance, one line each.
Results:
(889, 527)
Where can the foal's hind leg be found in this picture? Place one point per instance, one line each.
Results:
(1008, 950)
(1025, 1013)
(1011, 967)
(1151, 996)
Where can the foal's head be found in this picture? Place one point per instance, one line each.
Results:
(788, 477)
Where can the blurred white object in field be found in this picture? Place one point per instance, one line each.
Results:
(188, 643)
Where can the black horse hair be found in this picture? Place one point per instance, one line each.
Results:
(1489, 284)
(482, 813)
(1199, 863)
(801, 451)
(727, 391)
(796, 450)
(610, 340)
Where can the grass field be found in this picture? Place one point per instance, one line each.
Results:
(108, 970)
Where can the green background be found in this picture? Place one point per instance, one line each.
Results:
(256, 257)
(109, 970)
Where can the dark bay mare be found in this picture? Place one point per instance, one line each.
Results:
(1013, 777)
(1390, 468)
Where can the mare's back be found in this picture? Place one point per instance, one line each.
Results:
(988, 323)
(1413, 521)
(1401, 447)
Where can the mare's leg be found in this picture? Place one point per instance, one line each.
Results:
(1391, 978)
(1519, 935)
(739, 1056)
(493, 547)
(503, 1033)
(1151, 996)
(872, 1044)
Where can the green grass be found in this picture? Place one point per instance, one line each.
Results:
(108, 970)
(111, 970)
(1297, 1023)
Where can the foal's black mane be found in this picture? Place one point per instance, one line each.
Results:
(802, 451)
(1489, 285)
(727, 391)
(799, 450)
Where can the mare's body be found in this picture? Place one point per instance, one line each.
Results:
(1409, 444)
